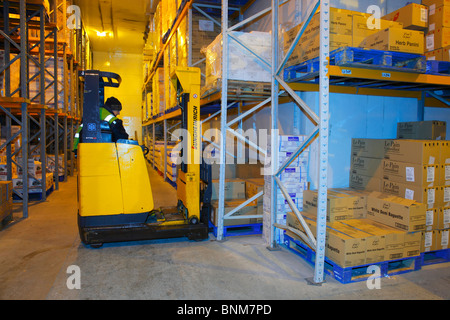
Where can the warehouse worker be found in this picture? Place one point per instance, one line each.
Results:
(108, 113)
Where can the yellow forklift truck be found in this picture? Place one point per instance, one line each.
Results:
(115, 200)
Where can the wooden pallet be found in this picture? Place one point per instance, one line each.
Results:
(361, 58)
(355, 273)
(239, 89)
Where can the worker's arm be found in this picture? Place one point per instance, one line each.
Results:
(118, 131)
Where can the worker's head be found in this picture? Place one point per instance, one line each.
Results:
(113, 105)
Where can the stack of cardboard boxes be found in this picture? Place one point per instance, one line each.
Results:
(359, 29)
(362, 228)
(243, 65)
(398, 203)
(437, 40)
(6, 190)
(294, 179)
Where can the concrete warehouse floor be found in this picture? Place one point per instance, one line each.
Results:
(35, 255)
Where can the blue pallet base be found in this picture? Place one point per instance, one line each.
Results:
(172, 183)
(170, 110)
(238, 230)
(435, 257)
(33, 196)
(361, 58)
(438, 67)
(356, 273)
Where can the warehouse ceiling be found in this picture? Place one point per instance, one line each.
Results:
(115, 25)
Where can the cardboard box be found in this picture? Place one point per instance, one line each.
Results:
(248, 210)
(234, 189)
(411, 173)
(253, 187)
(438, 38)
(444, 174)
(446, 54)
(396, 39)
(339, 206)
(413, 241)
(375, 246)
(433, 4)
(443, 196)
(444, 152)
(442, 237)
(428, 242)
(435, 54)
(344, 249)
(368, 148)
(429, 196)
(425, 152)
(443, 218)
(308, 48)
(404, 214)
(362, 182)
(395, 239)
(361, 28)
(413, 16)
(422, 130)
(367, 166)
(439, 17)
(432, 219)
(360, 211)
(5, 209)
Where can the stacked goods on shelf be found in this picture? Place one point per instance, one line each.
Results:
(359, 29)
(437, 43)
(366, 163)
(172, 163)
(6, 190)
(204, 31)
(294, 179)
(422, 130)
(413, 16)
(51, 165)
(234, 196)
(158, 95)
(347, 28)
(408, 39)
(34, 84)
(243, 65)
(171, 156)
(362, 226)
(308, 47)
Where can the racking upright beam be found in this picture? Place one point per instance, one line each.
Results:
(223, 121)
(322, 126)
(24, 106)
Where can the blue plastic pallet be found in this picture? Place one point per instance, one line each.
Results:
(361, 58)
(238, 230)
(438, 67)
(356, 273)
(33, 196)
(435, 257)
(172, 109)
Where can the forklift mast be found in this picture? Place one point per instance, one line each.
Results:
(94, 98)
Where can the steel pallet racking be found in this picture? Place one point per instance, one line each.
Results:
(31, 30)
